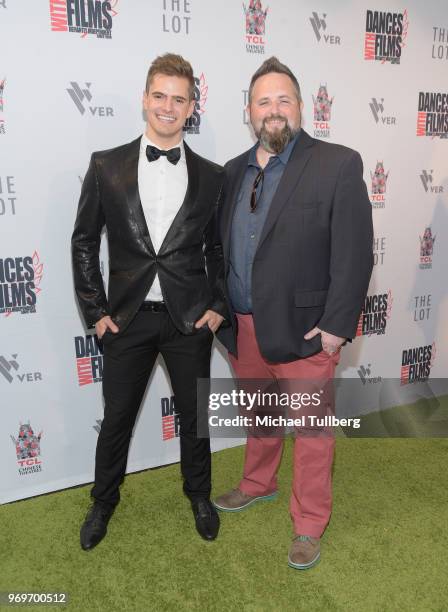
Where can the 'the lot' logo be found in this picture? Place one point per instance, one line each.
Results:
(8, 196)
(170, 418)
(81, 98)
(193, 124)
(9, 368)
(432, 115)
(27, 446)
(89, 359)
(379, 185)
(20, 279)
(375, 314)
(422, 307)
(176, 17)
(80, 17)
(377, 108)
(440, 43)
(319, 25)
(385, 36)
(322, 104)
(2, 102)
(426, 249)
(427, 179)
(255, 26)
(416, 363)
(379, 250)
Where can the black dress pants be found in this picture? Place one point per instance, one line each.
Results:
(127, 366)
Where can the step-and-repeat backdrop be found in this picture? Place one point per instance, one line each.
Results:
(374, 77)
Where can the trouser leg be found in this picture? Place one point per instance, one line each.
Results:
(127, 365)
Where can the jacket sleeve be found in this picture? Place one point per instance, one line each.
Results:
(214, 259)
(86, 240)
(351, 254)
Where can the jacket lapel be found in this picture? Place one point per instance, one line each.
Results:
(235, 185)
(291, 176)
(132, 194)
(189, 199)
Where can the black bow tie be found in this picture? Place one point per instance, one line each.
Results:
(153, 153)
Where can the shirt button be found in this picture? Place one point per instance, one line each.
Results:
(252, 236)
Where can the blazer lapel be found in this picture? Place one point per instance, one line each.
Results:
(132, 194)
(235, 186)
(290, 178)
(189, 199)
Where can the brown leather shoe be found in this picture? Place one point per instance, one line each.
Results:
(304, 552)
(235, 500)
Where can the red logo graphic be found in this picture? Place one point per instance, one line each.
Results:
(416, 363)
(170, 419)
(2, 121)
(83, 17)
(27, 446)
(385, 36)
(375, 313)
(426, 249)
(20, 279)
(432, 114)
(89, 360)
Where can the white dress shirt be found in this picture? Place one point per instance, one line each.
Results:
(162, 187)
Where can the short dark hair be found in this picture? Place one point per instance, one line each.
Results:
(272, 64)
(171, 65)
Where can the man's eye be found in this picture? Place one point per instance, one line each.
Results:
(180, 100)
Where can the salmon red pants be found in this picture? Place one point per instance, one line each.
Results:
(311, 495)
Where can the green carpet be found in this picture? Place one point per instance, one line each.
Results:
(385, 549)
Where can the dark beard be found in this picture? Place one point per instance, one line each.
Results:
(277, 140)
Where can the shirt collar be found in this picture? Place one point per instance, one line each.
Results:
(145, 141)
(283, 156)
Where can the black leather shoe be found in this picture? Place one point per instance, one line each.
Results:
(206, 517)
(95, 525)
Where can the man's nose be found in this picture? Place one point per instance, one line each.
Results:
(168, 106)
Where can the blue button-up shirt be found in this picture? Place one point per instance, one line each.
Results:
(247, 226)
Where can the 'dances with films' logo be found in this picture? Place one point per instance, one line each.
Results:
(432, 115)
(378, 186)
(193, 123)
(170, 419)
(426, 249)
(27, 446)
(416, 363)
(255, 26)
(89, 359)
(385, 36)
(93, 17)
(322, 113)
(20, 279)
(375, 314)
